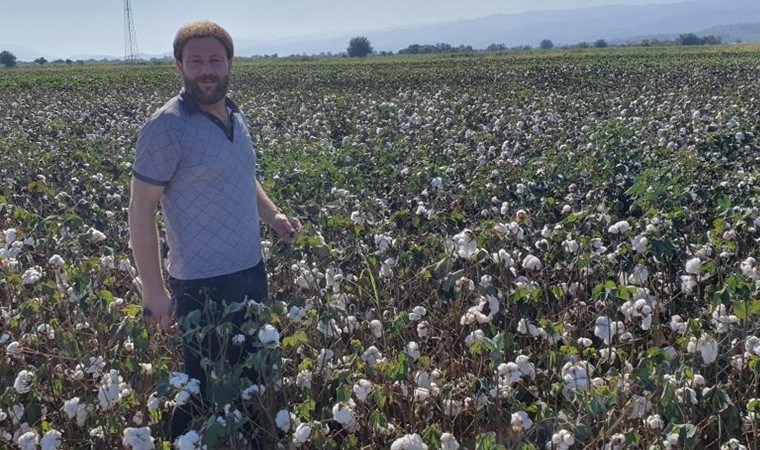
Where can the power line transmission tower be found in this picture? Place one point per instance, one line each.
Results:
(130, 36)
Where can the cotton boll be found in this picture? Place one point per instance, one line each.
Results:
(409, 442)
(532, 263)
(138, 438)
(449, 442)
(693, 266)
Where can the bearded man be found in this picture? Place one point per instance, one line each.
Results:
(195, 158)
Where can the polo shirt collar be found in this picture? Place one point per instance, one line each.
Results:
(191, 106)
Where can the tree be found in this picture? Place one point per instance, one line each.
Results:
(41, 60)
(689, 39)
(600, 43)
(7, 59)
(546, 44)
(359, 46)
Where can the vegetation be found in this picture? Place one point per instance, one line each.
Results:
(7, 59)
(536, 250)
(359, 46)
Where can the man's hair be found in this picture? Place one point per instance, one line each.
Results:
(202, 29)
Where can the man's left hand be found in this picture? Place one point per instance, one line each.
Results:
(287, 228)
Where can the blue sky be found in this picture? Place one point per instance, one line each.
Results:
(66, 28)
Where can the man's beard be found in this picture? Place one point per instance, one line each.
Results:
(203, 97)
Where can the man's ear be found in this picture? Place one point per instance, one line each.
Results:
(178, 64)
(229, 63)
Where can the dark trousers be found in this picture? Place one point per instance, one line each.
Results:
(208, 297)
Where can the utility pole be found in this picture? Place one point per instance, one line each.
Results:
(130, 36)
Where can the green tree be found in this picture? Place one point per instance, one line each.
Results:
(359, 46)
(689, 39)
(7, 59)
(546, 44)
(600, 43)
(41, 60)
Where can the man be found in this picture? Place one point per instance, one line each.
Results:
(194, 156)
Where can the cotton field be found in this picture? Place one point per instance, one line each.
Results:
(533, 251)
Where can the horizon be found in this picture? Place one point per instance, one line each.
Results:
(42, 27)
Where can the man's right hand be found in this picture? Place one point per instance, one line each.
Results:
(157, 307)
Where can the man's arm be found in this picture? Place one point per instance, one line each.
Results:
(287, 228)
(143, 235)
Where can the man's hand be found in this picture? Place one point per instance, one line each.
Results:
(157, 307)
(287, 228)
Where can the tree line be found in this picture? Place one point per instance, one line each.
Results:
(360, 46)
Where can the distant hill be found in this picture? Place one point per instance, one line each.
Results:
(744, 32)
(562, 27)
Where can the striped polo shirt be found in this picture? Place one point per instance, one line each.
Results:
(209, 203)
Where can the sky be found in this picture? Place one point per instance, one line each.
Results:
(69, 28)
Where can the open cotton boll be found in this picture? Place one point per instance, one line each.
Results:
(619, 227)
(693, 266)
(409, 442)
(531, 263)
(52, 440)
(268, 334)
(138, 438)
(449, 442)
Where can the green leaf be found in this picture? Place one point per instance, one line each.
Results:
(295, 340)
(132, 310)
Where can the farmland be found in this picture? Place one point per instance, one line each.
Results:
(541, 250)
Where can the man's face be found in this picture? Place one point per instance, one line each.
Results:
(205, 70)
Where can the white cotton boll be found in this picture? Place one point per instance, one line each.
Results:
(31, 276)
(654, 422)
(153, 402)
(376, 327)
(504, 258)
(343, 413)
(16, 412)
(708, 347)
(449, 442)
(521, 421)
(585, 342)
(566, 209)
(677, 324)
(418, 312)
(28, 440)
(296, 313)
(372, 356)
(693, 266)
(413, 350)
(325, 356)
(570, 246)
(619, 227)
(452, 408)
(95, 235)
(70, 407)
(138, 438)
(284, 420)
(302, 434)
(640, 406)
(532, 263)
(421, 394)
(56, 261)
(188, 441)
(639, 244)
(268, 334)
(179, 379)
(362, 389)
(465, 244)
(24, 380)
(423, 330)
(249, 392)
(52, 440)
(409, 442)
(475, 336)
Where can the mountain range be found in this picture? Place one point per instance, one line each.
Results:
(729, 19)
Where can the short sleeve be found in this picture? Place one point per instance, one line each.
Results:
(157, 154)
